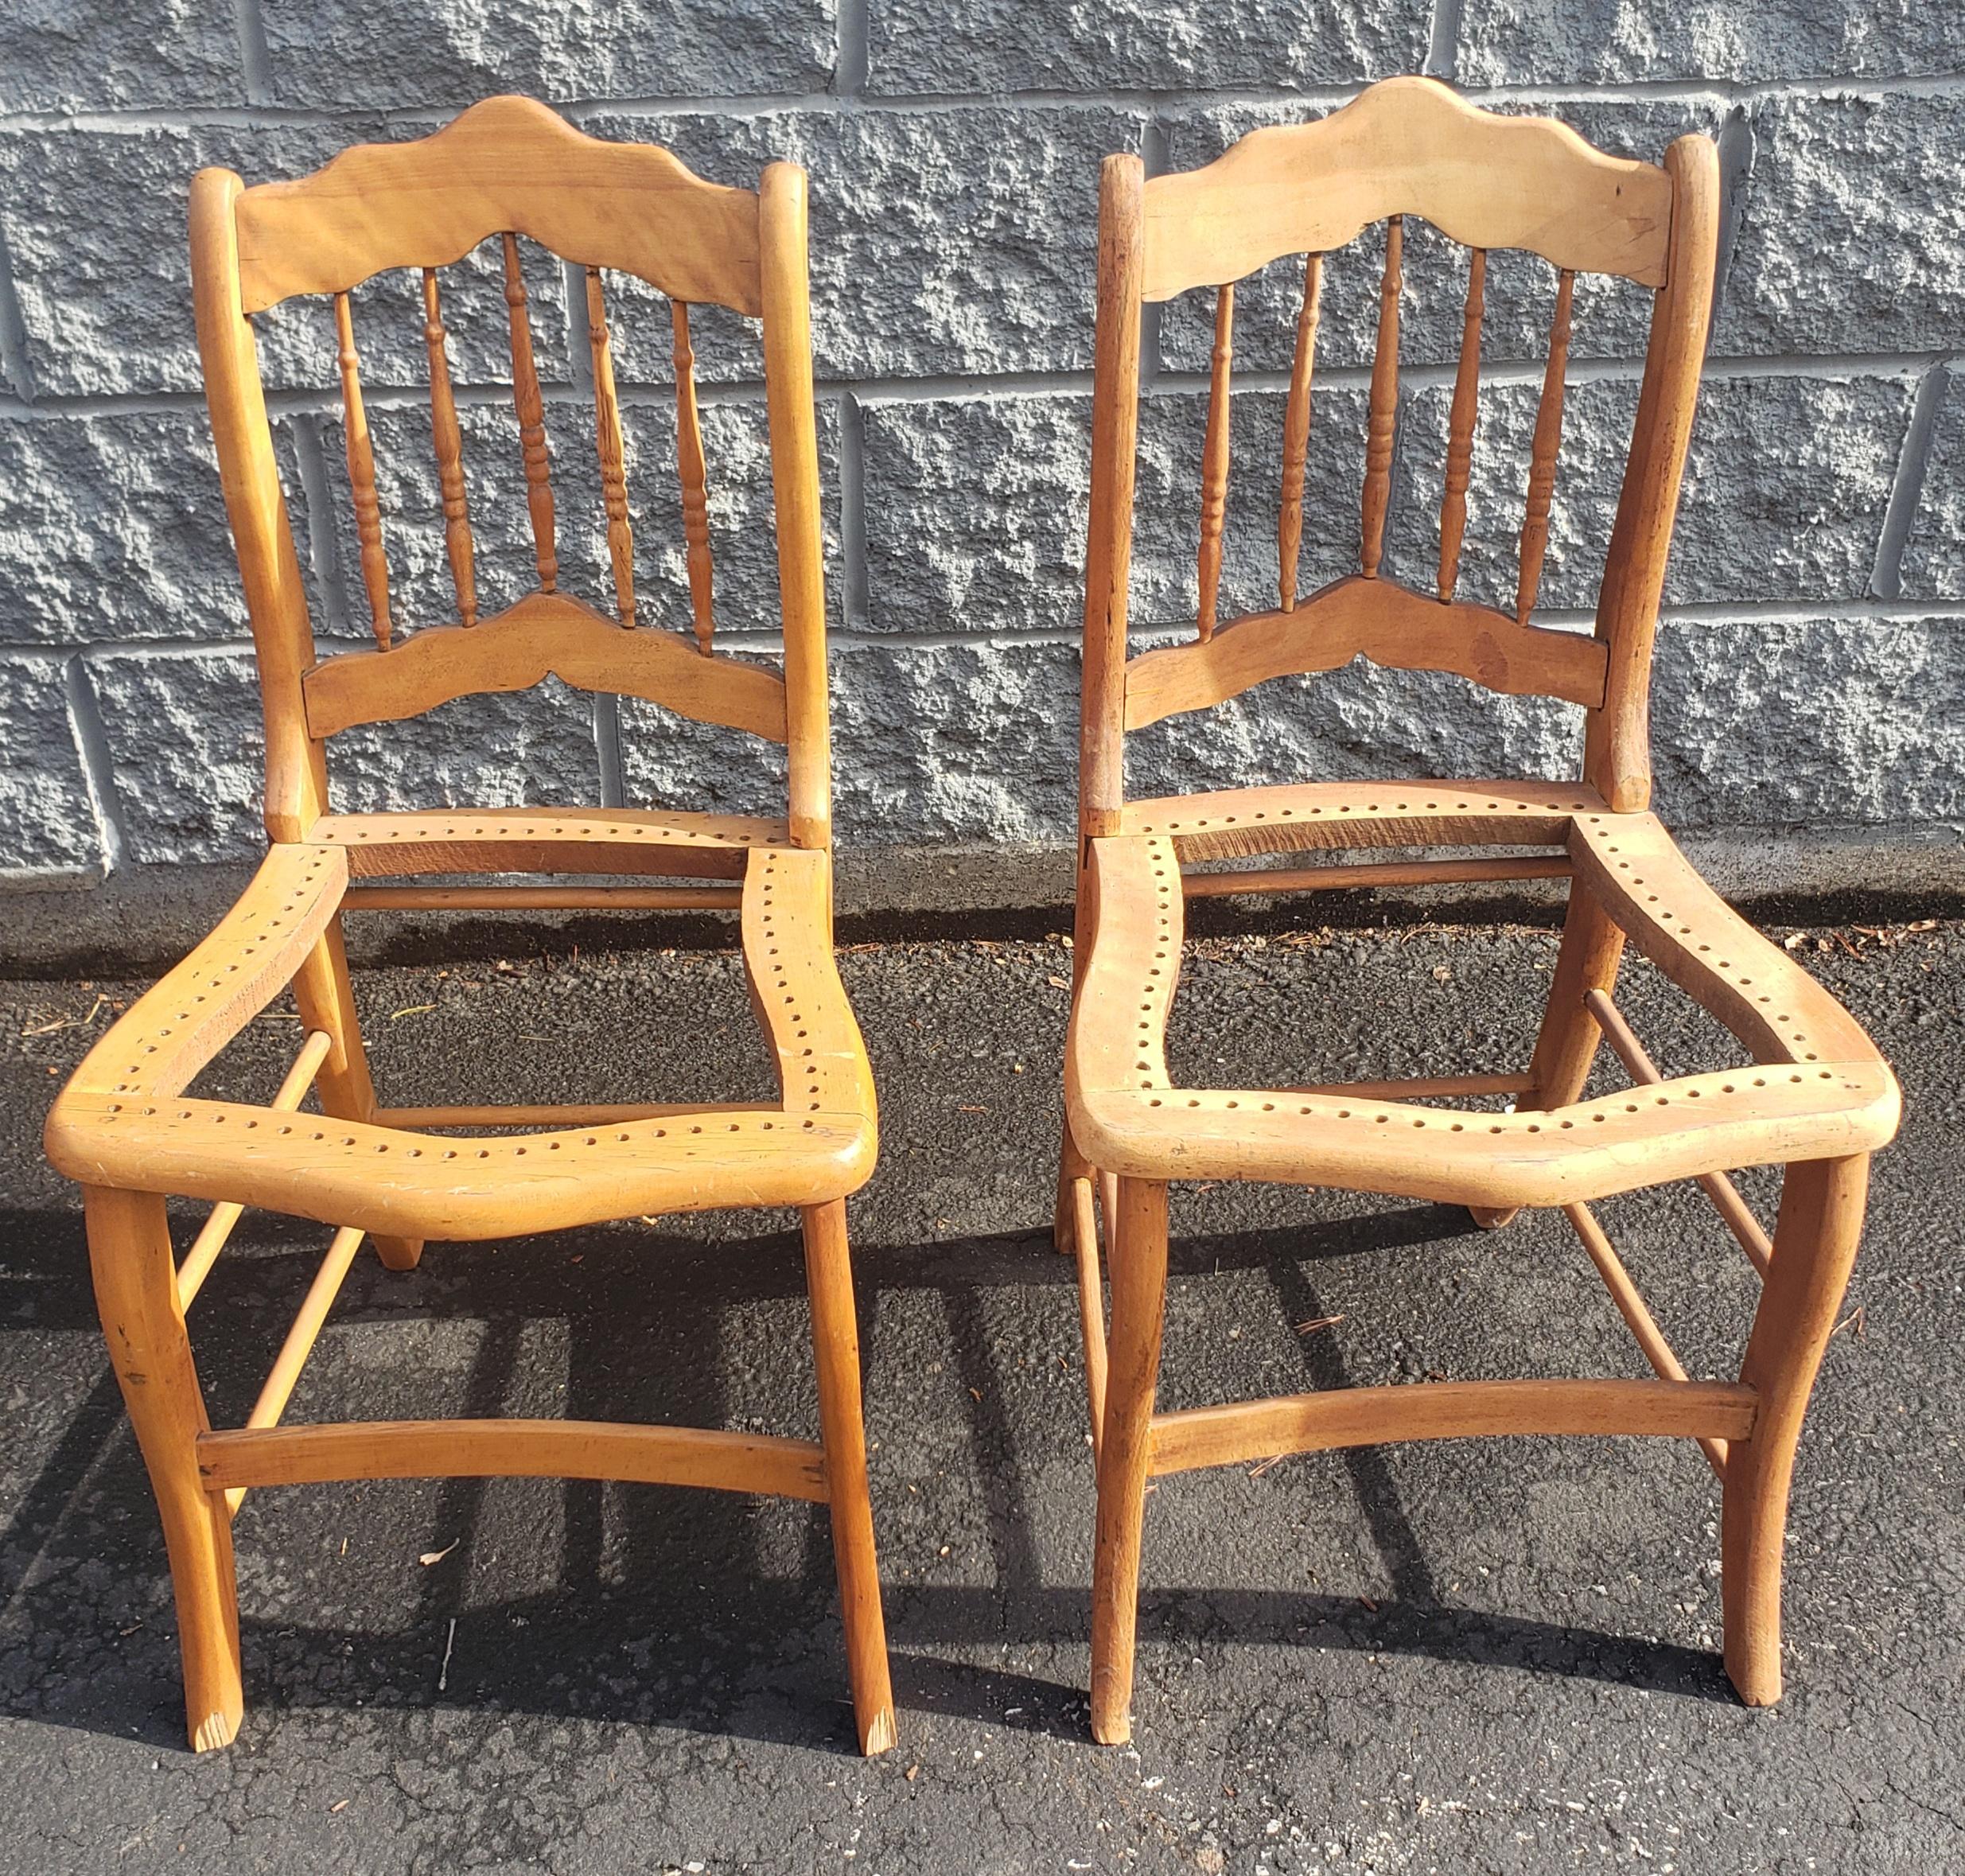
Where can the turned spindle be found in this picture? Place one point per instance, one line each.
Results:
(1214, 459)
(691, 470)
(1382, 423)
(1460, 428)
(531, 409)
(1543, 451)
(443, 422)
(361, 474)
(620, 540)
(1296, 432)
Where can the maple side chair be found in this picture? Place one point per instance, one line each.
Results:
(1817, 1097)
(127, 1128)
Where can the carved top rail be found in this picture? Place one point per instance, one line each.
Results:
(1406, 146)
(507, 166)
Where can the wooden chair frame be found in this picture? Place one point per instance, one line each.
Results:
(1819, 1099)
(126, 1129)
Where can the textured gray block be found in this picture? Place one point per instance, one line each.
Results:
(47, 821)
(1785, 488)
(76, 55)
(186, 746)
(955, 240)
(96, 221)
(374, 53)
(113, 527)
(976, 509)
(1853, 235)
(1746, 732)
(1934, 555)
(1609, 42)
(1611, 317)
(919, 46)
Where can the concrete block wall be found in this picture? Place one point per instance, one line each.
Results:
(1812, 660)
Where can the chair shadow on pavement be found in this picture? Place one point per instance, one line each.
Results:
(655, 1611)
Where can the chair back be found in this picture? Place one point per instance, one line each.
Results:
(1407, 146)
(511, 171)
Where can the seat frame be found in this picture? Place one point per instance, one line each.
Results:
(125, 1128)
(1819, 1098)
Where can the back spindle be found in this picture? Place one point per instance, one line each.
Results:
(1381, 426)
(1214, 460)
(1460, 429)
(361, 473)
(443, 421)
(1296, 432)
(691, 469)
(1543, 451)
(621, 539)
(525, 395)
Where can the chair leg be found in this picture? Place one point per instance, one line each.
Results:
(1814, 1245)
(1072, 1166)
(836, 1350)
(1592, 946)
(326, 997)
(1139, 1277)
(136, 1292)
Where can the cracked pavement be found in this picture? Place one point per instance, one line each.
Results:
(1466, 1656)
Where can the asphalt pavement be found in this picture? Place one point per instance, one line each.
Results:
(1467, 1656)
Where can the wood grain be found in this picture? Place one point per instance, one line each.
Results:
(1296, 432)
(531, 409)
(1405, 146)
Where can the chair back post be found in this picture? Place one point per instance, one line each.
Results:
(269, 564)
(1616, 759)
(786, 289)
(1109, 548)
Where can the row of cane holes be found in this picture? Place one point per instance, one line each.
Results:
(1164, 895)
(299, 897)
(275, 922)
(664, 834)
(1288, 814)
(783, 987)
(1800, 1037)
(518, 1151)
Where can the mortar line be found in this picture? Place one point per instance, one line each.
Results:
(1886, 582)
(98, 771)
(324, 550)
(1442, 58)
(945, 386)
(607, 748)
(852, 476)
(853, 40)
(15, 362)
(255, 58)
(1805, 87)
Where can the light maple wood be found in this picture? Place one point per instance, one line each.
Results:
(1739, 1220)
(1371, 872)
(1378, 619)
(1214, 462)
(1444, 1410)
(509, 165)
(125, 1128)
(1381, 422)
(544, 635)
(1542, 457)
(533, 451)
(1637, 1314)
(1296, 432)
(361, 474)
(693, 474)
(1816, 1098)
(1405, 146)
(621, 537)
(706, 1457)
(450, 445)
(1462, 417)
